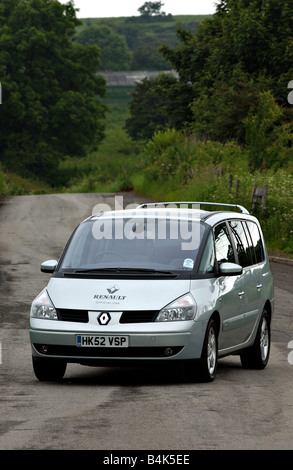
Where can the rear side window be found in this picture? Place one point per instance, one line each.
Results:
(223, 245)
(248, 242)
(256, 241)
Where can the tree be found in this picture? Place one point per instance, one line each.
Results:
(147, 111)
(151, 9)
(115, 54)
(252, 37)
(147, 57)
(266, 137)
(50, 106)
(155, 105)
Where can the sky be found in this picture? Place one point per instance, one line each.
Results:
(114, 8)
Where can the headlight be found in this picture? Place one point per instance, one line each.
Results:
(183, 308)
(42, 307)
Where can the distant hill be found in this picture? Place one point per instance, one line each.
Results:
(137, 39)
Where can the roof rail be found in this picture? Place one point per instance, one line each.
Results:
(156, 204)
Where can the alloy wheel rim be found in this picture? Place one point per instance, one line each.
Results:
(264, 340)
(211, 352)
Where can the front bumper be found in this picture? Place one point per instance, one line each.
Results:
(166, 341)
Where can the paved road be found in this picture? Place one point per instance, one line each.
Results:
(125, 409)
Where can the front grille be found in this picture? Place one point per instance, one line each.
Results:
(65, 314)
(140, 316)
(71, 351)
(132, 316)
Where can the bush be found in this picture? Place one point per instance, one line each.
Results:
(173, 154)
(176, 167)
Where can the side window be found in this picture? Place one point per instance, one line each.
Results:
(223, 245)
(243, 248)
(256, 241)
(207, 264)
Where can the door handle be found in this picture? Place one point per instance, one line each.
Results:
(259, 286)
(241, 293)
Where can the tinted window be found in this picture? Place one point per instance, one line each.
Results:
(243, 248)
(256, 241)
(223, 245)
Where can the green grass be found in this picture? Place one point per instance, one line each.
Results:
(110, 168)
(118, 95)
(12, 184)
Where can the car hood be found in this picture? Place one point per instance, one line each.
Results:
(119, 295)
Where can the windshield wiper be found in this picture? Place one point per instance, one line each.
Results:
(144, 270)
(126, 270)
(94, 270)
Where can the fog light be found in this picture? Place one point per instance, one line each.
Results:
(44, 349)
(168, 351)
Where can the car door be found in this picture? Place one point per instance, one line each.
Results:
(249, 282)
(231, 298)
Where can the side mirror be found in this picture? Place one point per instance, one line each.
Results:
(230, 269)
(49, 266)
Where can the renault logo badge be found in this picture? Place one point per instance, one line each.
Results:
(104, 318)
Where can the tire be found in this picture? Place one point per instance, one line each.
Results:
(257, 356)
(209, 358)
(48, 370)
(205, 369)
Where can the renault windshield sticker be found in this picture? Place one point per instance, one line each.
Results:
(188, 263)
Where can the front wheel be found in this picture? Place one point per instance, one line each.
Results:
(209, 357)
(49, 370)
(257, 356)
(206, 370)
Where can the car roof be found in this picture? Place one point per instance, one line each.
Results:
(183, 210)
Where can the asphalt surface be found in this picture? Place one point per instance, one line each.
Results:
(133, 408)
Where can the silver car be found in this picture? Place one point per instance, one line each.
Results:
(158, 284)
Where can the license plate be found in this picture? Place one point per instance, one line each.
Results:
(102, 341)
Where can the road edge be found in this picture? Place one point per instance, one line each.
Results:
(278, 259)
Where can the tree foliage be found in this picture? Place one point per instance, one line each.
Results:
(147, 57)
(50, 86)
(151, 9)
(115, 54)
(244, 50)
(147, 109)
(156, 104)
(266, 135)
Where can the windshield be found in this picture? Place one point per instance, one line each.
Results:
(139, 244)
